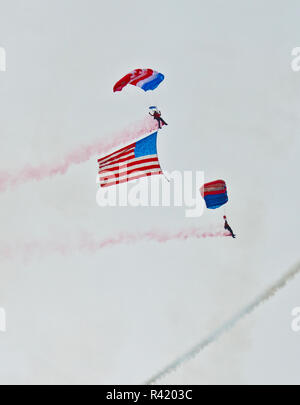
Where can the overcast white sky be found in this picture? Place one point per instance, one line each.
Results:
(232, 103)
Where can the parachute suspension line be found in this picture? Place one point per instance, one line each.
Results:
(163, 173)
(165, 176)
(217, 333)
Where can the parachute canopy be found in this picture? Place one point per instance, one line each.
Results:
(146, 79)
(214, 193)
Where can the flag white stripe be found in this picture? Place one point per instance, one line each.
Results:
(129, 160)
(128, 177)
(125, 171)
(128, 168)
(116, 155)
(115, 162)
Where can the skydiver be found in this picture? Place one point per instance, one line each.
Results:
(227, 227)
(157, 116)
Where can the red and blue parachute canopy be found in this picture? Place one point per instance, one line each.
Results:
(214, 193)
(146, 79)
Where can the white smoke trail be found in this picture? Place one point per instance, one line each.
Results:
(217, 333)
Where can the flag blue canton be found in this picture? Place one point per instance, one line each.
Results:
(146, 146)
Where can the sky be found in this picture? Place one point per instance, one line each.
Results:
(120, 314)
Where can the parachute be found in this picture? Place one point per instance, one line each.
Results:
(214, 194)
(146, 79)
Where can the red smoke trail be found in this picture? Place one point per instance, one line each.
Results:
(88, 243)
(79, 155)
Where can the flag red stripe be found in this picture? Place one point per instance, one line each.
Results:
(137, 162)
(140, 169)
(119, 155)
(125, 159)
(120, 150)
(131, 178)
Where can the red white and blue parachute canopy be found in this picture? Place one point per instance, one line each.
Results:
(214, 193)
(146, 79)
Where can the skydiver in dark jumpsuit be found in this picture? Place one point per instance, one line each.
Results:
(227, 227)
(157, 116)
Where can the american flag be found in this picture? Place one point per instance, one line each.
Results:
(134, 161)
